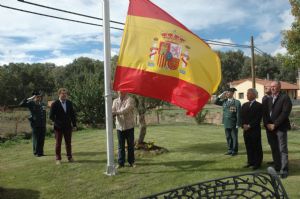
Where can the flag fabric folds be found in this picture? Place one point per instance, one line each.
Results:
(160, 58)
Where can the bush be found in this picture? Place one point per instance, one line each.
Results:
(200, 117)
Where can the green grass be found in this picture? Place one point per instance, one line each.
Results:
(195, 154)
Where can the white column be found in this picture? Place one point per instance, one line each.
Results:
(110, 169)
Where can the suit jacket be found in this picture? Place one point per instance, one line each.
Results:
(63, 120)
(252, 115)
(231, 112)
(277, 113)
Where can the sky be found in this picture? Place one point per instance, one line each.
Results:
(31, 39)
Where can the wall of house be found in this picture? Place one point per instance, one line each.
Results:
(291, 93)
(261, 92)
(241, 93)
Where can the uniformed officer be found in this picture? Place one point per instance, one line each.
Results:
(37, 121)
(231, 119)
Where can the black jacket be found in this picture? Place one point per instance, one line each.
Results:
(63, 120)
(252, 115)
(278, 113)
(37, 113)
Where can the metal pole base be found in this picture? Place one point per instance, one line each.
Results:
(110, 171)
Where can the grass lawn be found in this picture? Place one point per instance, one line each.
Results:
(195, 154)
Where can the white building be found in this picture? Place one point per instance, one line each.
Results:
(244, 84)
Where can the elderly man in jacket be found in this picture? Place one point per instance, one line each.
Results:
(123, 110)
(276, 120)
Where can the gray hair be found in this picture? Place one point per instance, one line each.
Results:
(254, 91)
(277, 82)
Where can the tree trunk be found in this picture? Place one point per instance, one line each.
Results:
(157, 116)
(143, 128)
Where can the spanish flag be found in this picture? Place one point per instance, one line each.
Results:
(160, 58)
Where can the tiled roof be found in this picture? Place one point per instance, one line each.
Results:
(284, 85)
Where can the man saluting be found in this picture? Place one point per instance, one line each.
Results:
(231, 119)
(37, 121)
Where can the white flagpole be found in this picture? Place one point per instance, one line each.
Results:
(110, 169)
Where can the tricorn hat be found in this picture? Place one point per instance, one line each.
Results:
(231, 89)
(37, 93)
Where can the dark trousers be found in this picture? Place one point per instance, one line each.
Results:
(122, 136)
(232, 139)
(38, 140)
(278, 143)
(67, 134)
(253, 145)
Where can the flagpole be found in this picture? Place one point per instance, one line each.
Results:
(110, 169)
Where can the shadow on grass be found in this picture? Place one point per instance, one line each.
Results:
(294, 167)
(6, 193)
(90, 161)
(209, 148)
(173, 124)
(90, 153)
(217, 147)
(184, 166)
(180, 164)
(190, 165)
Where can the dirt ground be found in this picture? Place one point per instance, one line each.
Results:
(13, 122)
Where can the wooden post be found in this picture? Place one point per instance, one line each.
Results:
(252, 63)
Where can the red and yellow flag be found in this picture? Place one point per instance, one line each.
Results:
(160, 58)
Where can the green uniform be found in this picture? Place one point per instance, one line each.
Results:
(231, 121)
(38, 124)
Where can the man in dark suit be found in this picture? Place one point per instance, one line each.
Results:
(268, 94)
(37, 121)
(64, 118)
(276, 121)
(251, 115)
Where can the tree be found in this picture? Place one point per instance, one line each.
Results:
(143, 104)
(266, 67)
(18, 80)
(291, 38)
(287, 70)
(84, 78)
(87, 96)
(232, 63)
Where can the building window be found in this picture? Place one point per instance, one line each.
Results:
(241, 95)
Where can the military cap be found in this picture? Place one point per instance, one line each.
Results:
(231, 89)
(37, 93)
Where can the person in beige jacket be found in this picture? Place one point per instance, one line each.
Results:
(123, 110)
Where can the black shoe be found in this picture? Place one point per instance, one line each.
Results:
(119, 166)
(256, 167)
(132, 165)
(228, 153)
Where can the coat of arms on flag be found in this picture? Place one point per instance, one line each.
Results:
(169, 53)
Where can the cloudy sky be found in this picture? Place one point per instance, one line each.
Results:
(31, 38)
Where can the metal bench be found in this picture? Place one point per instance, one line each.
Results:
(258, 185)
